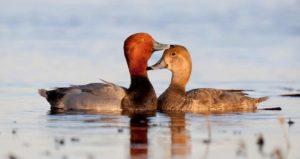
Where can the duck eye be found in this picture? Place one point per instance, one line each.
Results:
(173, 54)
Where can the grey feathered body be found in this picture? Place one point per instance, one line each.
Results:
(93, 96)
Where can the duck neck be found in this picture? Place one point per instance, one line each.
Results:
(180, 79)
(140, 95)
(140, 84)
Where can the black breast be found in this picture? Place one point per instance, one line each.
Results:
(140, 96)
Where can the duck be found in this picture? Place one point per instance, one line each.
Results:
(177, 59)
(105, 96)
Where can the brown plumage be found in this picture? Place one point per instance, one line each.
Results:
(177, 59)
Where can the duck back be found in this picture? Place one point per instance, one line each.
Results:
(207, 100)
(93, 96)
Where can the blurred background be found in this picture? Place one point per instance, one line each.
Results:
(46, 42)
(234, 44)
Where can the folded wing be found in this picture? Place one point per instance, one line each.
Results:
(95, 96)
(222, 100)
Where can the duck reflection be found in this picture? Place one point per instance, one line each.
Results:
(180, 137)
(139, 136)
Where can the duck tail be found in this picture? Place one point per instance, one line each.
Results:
(43, 93)
(106, 82)
(262, 99)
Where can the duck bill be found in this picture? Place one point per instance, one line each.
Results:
(159, 46)
(159, 65)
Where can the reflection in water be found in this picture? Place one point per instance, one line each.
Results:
(180, 138)
(208, 140)
(141, 144)
(139, 136)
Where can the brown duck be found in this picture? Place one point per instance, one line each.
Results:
(175, 98)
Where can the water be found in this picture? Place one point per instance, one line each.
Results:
(234, 45)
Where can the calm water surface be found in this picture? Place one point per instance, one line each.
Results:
(39, 134)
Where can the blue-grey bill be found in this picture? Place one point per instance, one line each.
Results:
(159, 46)
(159, 65)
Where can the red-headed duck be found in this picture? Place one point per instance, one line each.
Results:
(177, 59)
(140, 96)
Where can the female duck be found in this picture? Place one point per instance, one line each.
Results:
(177, 59)
(140, 96)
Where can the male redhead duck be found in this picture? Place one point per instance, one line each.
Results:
(177, 59)
(140, 96)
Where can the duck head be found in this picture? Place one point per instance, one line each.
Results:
(138, 49)
(140, 96)
(178, 60)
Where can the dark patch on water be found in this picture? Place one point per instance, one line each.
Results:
(120, 130)
(260, 142)
(60, 141)
(75, 139)
(14, 131)
(291, 95)
(272, 108)
(12, 156)
(290, 122)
